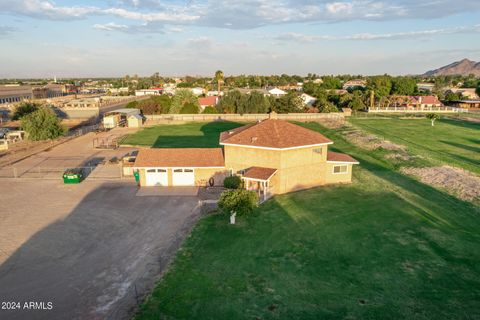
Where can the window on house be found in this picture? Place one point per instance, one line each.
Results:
(188, 170)
(178, 170)
(151, 170)
(340, 169)
(318, 150)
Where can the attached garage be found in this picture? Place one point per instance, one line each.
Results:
(180, 167)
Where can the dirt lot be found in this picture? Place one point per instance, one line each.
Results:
(460, 182)
(77, 152)
(90, 249)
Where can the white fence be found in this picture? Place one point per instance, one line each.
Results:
(423, 110)
(243, 117)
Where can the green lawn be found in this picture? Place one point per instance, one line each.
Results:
(385, 247)
(189, 135)
(450, 141)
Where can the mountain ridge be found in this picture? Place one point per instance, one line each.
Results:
(463, 67)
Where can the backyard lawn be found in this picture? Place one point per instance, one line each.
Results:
(450, 141)
(189, 135)
(385, 247)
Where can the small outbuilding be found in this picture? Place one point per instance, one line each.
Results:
(118, 117)
(134, 121)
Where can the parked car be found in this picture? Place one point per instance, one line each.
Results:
(4, 132)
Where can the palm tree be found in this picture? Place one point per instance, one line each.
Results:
(219, 79)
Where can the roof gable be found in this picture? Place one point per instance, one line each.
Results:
(272, 133)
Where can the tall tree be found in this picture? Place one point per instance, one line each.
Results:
(288, 103)
(25, 108)
(181, 98)
(42, 124)
(404, 86)
(381, 85)
(219, 78)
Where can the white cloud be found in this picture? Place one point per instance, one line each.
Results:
(172, 17)
(243, 14)
(303, 38)
(45, 9)
(111, 26)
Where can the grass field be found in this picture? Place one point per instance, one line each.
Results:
(189, 135)
(450, 141)
(385, 247)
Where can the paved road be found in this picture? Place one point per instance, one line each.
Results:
(85, 248)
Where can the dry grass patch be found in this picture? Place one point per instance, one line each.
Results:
(459, 182)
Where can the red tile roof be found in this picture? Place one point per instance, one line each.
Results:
(273, 133)
(180, 157)
(340, 157)
(259, 173)
(423, 100)
(208, 101)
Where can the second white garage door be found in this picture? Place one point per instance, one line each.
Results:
(183, 177)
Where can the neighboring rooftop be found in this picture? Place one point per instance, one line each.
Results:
(180, 157)
(340, 157)
(273, 133)
(208, 101)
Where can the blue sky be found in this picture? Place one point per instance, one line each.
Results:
(118, 37)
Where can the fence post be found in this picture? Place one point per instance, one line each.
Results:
(15, 172)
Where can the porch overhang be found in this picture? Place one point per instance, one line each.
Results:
(259, 174)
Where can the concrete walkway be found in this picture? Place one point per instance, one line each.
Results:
(167, 191)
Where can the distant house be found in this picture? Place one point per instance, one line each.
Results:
(425, 86)
(149, 92)
(249, 91)
(307, 99)
(197, 91)
(466, 104)
(118, 91)
(208, 102)
(415, 102)
(214, 93)
(276, 92)
(427, 101)
(357, 83)
(469, 93)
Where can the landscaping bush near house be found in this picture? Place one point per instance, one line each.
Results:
(233, 182)
(239, 201)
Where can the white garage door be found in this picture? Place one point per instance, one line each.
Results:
(183, 177)
(156, 177)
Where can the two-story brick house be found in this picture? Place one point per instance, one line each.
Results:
(272, 156)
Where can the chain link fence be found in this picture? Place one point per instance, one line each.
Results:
(100, 172)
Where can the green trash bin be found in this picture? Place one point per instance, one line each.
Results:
(136, 174)
(72, 176)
